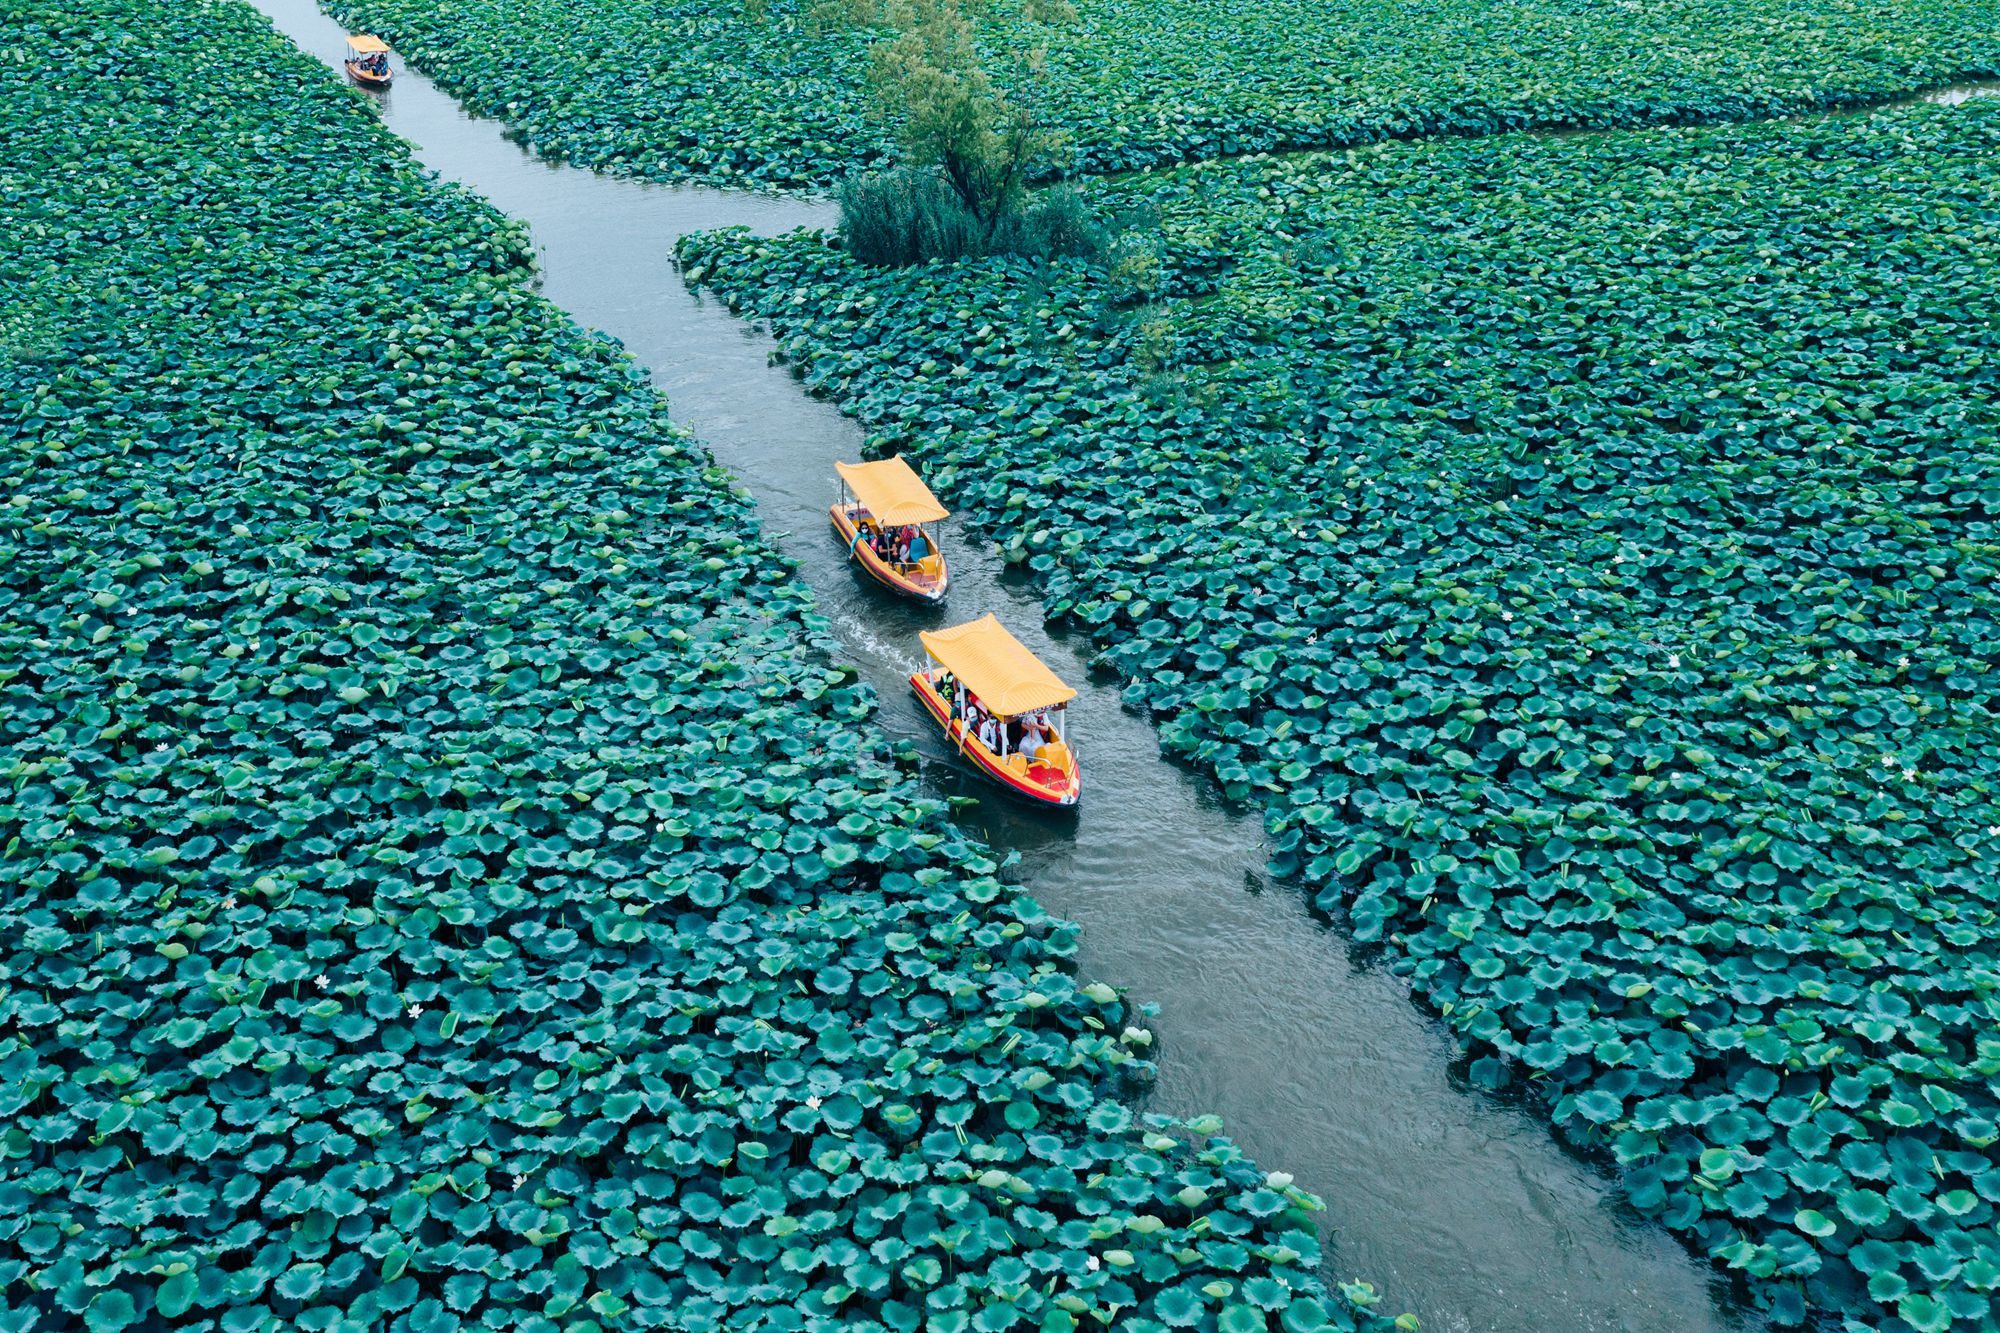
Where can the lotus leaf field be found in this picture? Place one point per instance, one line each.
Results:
(445, 880)
(1585, 550)
(771, 92)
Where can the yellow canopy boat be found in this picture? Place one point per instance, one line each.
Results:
(367, 61)
(1002, 709)
(882, 525)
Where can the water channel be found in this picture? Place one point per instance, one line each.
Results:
(1458, 1207)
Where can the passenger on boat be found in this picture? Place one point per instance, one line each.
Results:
(1033, 738)
(989, 732)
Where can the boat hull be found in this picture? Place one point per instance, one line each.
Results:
(1059, 788)
(361, 78)
(930, 593)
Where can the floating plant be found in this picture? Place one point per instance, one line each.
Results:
(439, 882)
(1585, 550)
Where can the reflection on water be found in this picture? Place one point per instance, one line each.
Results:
(1964, 92)
(1458, 1207)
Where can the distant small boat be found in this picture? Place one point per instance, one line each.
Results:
(995, 699)
(367, 61)
(890, 504)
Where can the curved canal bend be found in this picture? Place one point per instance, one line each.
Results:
(1457, 1207)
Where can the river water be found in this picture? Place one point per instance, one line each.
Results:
(1458, 1207)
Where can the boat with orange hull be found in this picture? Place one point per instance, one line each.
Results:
(1003, 711)
(880, 516)
(367, 61)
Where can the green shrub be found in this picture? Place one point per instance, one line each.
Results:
(910, 216)
(1056, 222)
(906, 216)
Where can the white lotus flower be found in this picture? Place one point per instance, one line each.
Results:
(813, 1102)
(321, 982)
(520, 1180)
(1673, 659)
(414, 1010)
(1092, 1263)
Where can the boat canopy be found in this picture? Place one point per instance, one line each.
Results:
(997, 667)
(364, 45)
(893, 492)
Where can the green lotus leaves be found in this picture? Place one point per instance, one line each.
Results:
(1583, 551)
(775, 93)
(427, 903)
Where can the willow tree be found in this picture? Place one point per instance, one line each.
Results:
(949, 116)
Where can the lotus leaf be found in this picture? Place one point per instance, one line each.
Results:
(1606, 525)
(388, 750)
(774, 92)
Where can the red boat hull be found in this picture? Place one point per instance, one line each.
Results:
(1042, 783)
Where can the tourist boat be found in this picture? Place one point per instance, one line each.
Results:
(879, 500)
(367, 61)
(981, 666)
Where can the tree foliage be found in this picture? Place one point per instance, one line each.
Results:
(969, 151)
(929, 81)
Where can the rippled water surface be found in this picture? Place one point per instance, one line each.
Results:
(1457, 1207)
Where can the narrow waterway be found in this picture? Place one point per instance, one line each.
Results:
(1459, 1208)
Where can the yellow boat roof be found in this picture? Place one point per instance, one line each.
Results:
(367, 45)
(997, 667)
(893, 492)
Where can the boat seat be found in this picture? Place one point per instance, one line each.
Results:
(1053, 753)
(1017, 764)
